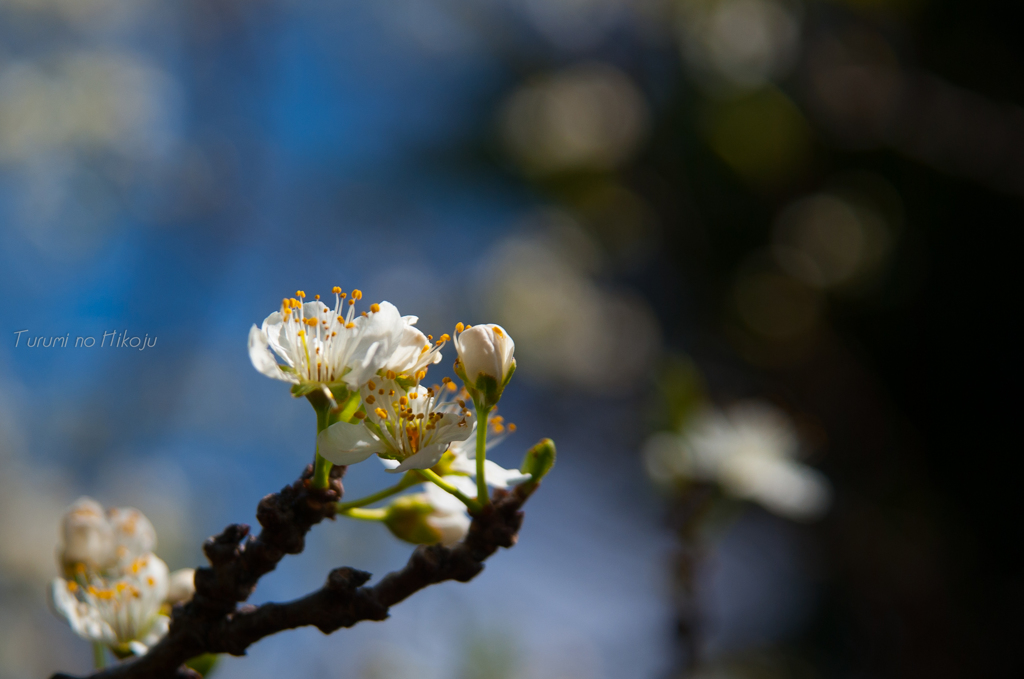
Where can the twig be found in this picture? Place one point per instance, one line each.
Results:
(213, 623)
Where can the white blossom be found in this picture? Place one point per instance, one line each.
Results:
(449, 517)
(413, 428)
(114, 587)
(101, 539)
(485, 350)
(122, 610)
(328, 346)
(87, 535)
(464, 462)
(750, 452)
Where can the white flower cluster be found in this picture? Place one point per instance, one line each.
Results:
(382, 357)
(750, 452)
(363, 373)
(115, 590)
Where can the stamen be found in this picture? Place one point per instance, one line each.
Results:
(375, 307)
(381, 413)
(459, 327)
(336, 290)
(300, 294)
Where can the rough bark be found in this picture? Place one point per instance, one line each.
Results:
(214, 622)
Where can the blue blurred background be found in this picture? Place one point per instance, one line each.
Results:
(803, 201)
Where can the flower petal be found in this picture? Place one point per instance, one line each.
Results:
(347, 443)
(262, 359)
(426, 458)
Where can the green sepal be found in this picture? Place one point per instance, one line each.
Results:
(539, 460)
(305, 388)
(407, 520)
(405, 382)
(486, 392)
(508, 375)
(203, 664)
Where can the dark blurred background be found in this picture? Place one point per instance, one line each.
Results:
(808, 202)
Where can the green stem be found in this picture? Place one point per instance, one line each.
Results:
(99, 658)
(322, 467)
(366, 514)
(481, 455)
(349, 408)
(379, 495)
(431, 475)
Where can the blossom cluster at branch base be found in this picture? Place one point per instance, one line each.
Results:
(115, 591)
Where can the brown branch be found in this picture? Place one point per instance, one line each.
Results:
(213, 623)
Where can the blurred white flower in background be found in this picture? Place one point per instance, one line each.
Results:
(568, 329)
(114, 588)
(750, 451)
(90, 100)
(589, 116)
(738, 43)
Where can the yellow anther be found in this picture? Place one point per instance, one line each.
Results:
(452, 386)
(390, 374)
(444, 338)
(363, 314)
(430, 337)
(497, 331)
(380, 391)
(459, 327)
(336, 290)
(497, 419)
(425, 349)
(357, 294)
(316, 296)
(301, 333)
(150, 581)
(350, 325)
(371, 385)
(351, 301)
(371, 399)
(381, 413)
(498, 428)
(468, 327)
(462, 404)
(420, 375)
(404, 401)
(414, 396)
(391, 392)
(511, 427)
(300, 294)
(375, 307)
(360, 415)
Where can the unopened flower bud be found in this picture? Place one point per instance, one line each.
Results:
(414, 519)
(88, 535)
(539, 460)
(486, 361)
